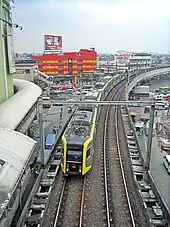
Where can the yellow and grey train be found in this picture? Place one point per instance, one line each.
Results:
(79, 136)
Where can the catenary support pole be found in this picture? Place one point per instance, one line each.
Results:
(41, 130)
(150, 134)
(127, 83)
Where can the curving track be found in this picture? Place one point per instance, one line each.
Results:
(114, 178)
(110, 201)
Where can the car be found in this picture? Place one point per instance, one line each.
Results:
(84, 92)
(70, 100)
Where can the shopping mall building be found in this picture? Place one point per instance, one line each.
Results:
(69, 63)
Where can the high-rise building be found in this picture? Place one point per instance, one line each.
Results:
(7, 66)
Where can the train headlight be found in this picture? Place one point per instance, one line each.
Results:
(80, 169)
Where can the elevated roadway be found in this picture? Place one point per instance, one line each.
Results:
(146, 75)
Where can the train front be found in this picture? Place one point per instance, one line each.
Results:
(77, 140)
(72, 157)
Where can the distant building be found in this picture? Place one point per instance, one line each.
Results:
(69, 63)
(25, 69)
(140, 60)
(122, 57)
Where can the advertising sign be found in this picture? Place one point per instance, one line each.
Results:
(53, 43)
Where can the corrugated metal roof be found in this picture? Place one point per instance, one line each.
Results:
(15, 150)
(15, 108)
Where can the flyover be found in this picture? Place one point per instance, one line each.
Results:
(146, 75)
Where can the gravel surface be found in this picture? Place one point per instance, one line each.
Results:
(71, 208)
(95, 210)
(121, 212)
(95, 214)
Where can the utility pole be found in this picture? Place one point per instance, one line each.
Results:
(49, 69)
(127, 81)
(92, 74)
(150, 134)
(81, 87)
(41, 130)
(108, 67)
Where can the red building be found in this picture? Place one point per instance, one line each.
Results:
(70, 63)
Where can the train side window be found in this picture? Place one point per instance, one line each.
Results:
(88, 153)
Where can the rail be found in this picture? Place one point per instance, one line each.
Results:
(60, 202)
(122, 171)
(105, 171)
(62, 199)
(82, 203)
(105, 151)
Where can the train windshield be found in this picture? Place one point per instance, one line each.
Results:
(74, 155)
(48, 147)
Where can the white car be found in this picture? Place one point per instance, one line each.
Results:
(70, 100)
(84, 92)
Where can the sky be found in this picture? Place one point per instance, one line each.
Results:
(107, 25)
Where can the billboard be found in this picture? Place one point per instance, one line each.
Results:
(53, 43)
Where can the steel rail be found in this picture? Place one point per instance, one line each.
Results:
(60, 202)
(105, 169)
(82, 202)
(122, 171)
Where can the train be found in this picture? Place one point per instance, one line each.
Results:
(79, 136)
(49, 143)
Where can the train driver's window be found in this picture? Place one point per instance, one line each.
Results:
(88, 153)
